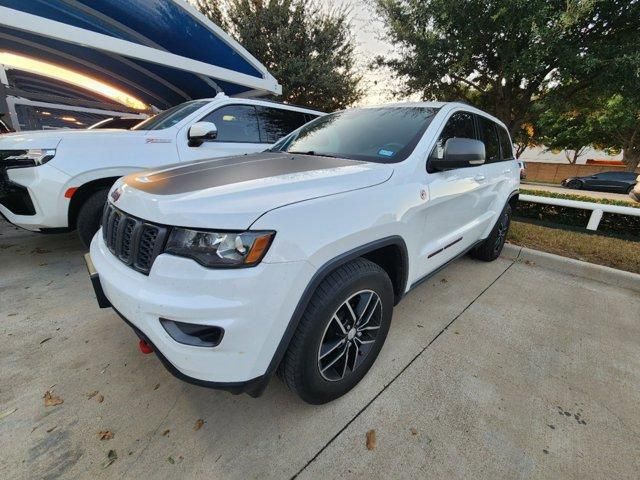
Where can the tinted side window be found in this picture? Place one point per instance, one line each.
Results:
(489, 135)
(275, 123)
(236, 123)
(459, 125)
(505, 144)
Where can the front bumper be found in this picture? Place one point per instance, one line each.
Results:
(253, 306)
(33, 197)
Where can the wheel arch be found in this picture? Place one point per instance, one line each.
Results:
(393, 247)
(83, 193)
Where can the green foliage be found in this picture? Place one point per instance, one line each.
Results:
(564, 126)
(309, 49)
(624, 226)
(618, 126)
(579, 198)
(506, 55)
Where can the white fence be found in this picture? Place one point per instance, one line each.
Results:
(597, 209)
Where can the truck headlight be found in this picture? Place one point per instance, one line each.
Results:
(27, 158)
(220, 249)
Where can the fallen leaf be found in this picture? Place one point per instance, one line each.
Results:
(371, 439)
(413, 431)
(165, 433)
(112, 456)
(92, 394)
(444, 280)
(45, 340)
(157, 386)
(52, 429)
(171, 460)
(420, 326)
(198, 425)
(100, 398)
(40, 250)
(7, 413)
(12, 315)
(105, 435)
(51, 400)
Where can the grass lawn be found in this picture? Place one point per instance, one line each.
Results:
(612, 252)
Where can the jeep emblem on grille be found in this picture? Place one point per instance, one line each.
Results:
(115, 195)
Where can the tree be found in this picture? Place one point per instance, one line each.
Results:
(504, 55)
(618, 128)
(310, 50)
(565, 126)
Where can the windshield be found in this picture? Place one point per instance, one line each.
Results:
(170, 117)
(381, 135)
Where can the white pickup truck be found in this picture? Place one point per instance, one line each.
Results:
(58, 180)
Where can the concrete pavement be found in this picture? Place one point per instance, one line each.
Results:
(500, 370)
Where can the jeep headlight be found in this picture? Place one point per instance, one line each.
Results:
(28, 158)
(220, 249)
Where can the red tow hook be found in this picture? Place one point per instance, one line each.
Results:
(145, 347)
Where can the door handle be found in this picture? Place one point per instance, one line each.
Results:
(479, 178)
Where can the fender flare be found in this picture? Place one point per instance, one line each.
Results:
(320, 275)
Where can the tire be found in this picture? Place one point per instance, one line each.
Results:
(89, 216)
(630, 189)
(574, 184)
(491, 247)
(327, 321)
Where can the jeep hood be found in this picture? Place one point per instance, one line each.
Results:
(231, 193)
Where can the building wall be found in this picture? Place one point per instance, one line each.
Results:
(555, 172)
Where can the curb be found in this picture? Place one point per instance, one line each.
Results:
(599, 273)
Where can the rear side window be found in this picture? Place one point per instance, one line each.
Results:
(489, 135)
(505, 144)
(236, 123)
(275, 123)
(459, 125)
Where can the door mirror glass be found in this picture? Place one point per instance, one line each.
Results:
(460, 153)
(202, 132)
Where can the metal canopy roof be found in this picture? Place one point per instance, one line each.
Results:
(161, 51)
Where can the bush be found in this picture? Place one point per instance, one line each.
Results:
(624, 226)
(580, 198)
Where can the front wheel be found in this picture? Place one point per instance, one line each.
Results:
(89, 216)
(491, 248)
(341, 332)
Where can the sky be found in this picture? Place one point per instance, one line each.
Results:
(369, 32)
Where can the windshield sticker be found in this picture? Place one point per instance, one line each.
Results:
(386, 153)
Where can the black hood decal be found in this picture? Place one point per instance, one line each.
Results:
(217, 172)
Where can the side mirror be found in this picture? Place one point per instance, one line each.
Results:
(460, 153)
(201, 132)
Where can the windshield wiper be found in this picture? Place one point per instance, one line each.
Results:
(311, 152)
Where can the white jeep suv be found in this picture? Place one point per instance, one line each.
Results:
(57, 180)
(291, 260)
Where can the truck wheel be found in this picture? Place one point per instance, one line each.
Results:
(491, 248)
(341, 332)
(89, 216)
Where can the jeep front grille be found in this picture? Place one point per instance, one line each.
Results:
(133, 241)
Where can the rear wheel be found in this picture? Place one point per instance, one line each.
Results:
(575, 184)
(341, 332)
(89, 216)
(491, 248)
